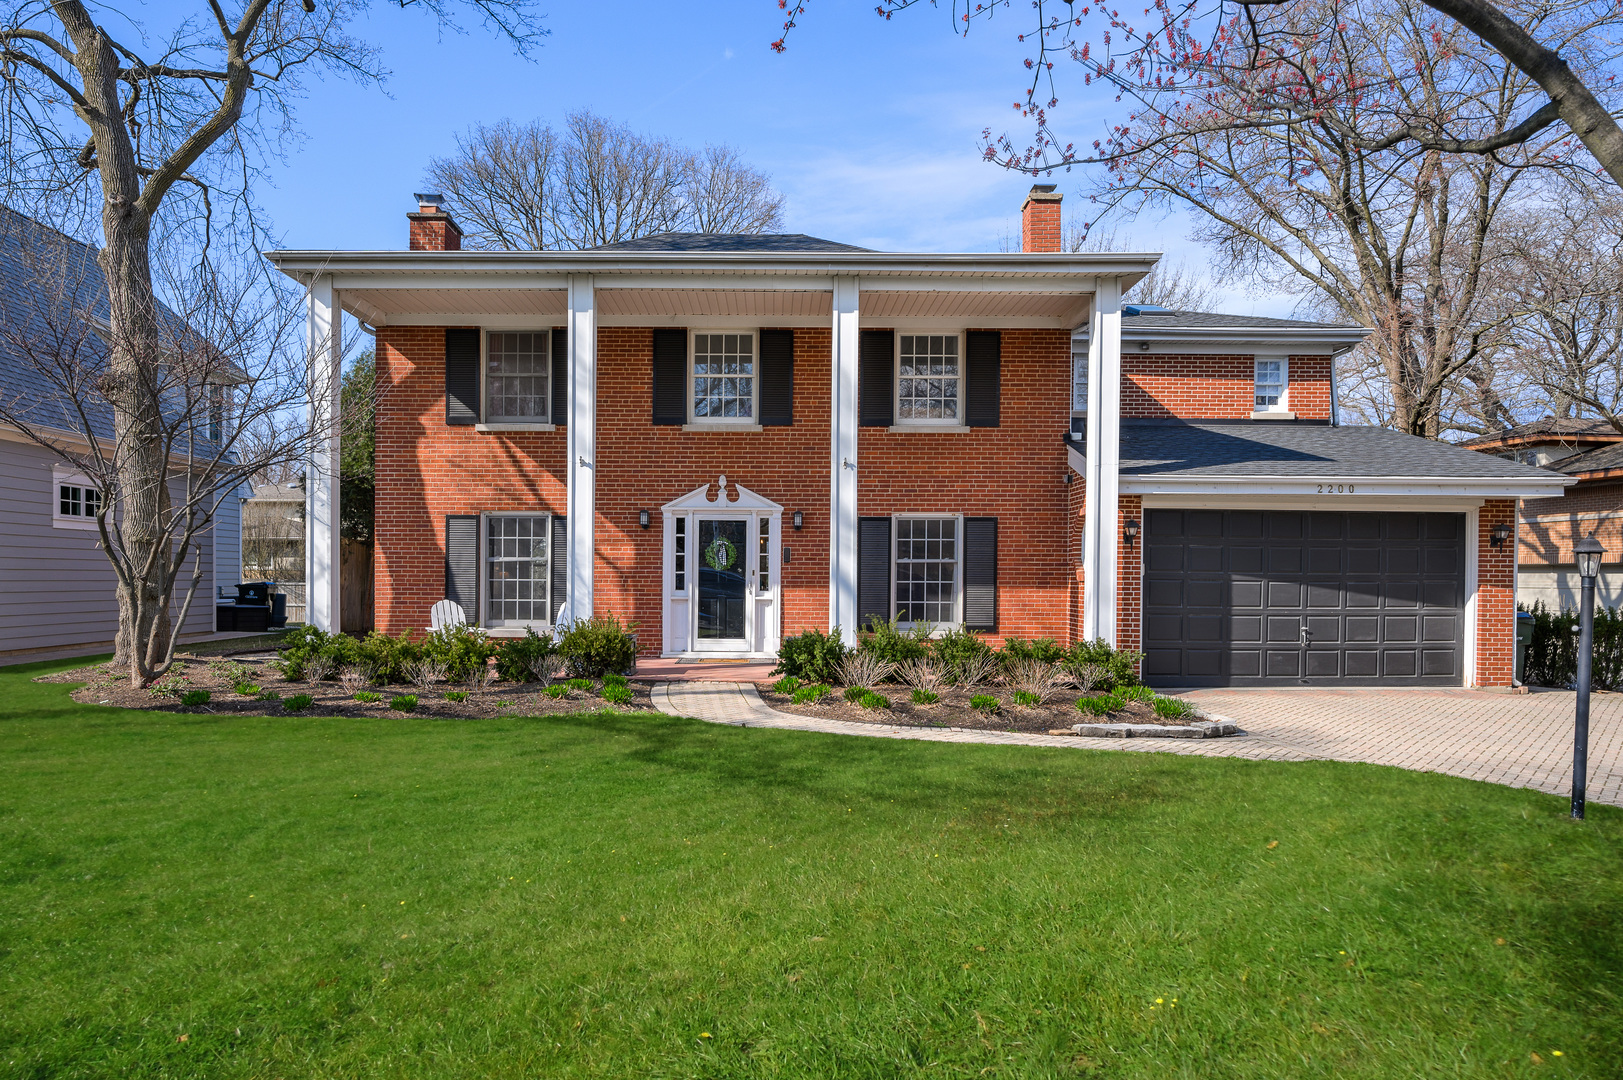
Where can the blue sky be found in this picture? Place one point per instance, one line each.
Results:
(870, 128)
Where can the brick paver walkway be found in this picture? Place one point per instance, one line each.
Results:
(1520, 740)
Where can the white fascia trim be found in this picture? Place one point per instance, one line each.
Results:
(1133, 484)
(1205, 341)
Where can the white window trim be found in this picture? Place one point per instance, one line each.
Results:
(957, 571)
(904, 424)
(485, 422)
(1283, 405)
(516, 628)
(60, 476)
(751, 422)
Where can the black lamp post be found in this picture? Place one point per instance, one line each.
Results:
(1588, 552)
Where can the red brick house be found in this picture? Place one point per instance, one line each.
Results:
(726, 439)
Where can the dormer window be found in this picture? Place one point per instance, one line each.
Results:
(1271, 384)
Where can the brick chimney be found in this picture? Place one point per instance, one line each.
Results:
(1039, 219)
(432, 228)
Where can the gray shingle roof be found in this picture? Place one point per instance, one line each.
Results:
(1596, 460)
(1552, 427)
(1301, 450)
(1146, 320)
(742, 243)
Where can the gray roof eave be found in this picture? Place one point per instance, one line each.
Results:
(1306, 334)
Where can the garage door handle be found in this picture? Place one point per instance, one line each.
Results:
(1307, 636)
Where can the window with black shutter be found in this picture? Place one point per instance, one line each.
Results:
(461, 377)
(777, 378)
(670, 376)
(462, 562)
(873, 570)
(980, 573)
(560, 376)
(560, 564)
(983, 377)
(876, 357)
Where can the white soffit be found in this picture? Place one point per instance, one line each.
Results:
(958, 305)
(714, 303)
(551, 303)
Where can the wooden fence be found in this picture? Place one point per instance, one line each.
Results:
(355, 583)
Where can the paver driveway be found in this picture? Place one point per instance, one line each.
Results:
(1521, 740)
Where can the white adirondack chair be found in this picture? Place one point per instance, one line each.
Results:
(446, 613)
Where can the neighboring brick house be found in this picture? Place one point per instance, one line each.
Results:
(728, 438)
(1591, 452)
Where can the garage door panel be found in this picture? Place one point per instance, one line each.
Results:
(1228, 593)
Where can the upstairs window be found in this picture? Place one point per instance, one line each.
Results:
(1271, 382)
(928, 377)
(518, 370)
(723, 378)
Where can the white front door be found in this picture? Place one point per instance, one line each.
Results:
(721, 592)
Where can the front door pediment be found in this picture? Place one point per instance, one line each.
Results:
(699, 500)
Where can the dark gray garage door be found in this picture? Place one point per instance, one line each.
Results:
(1259, 597)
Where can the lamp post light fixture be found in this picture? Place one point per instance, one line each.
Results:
(1587, 553)
(1129, 530)
(1499, 534)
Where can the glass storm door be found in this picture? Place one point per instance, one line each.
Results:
(723, 551)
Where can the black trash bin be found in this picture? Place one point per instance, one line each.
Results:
(278, 611)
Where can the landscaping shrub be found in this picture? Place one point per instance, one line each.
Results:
(270, 695)
(456, 695)
(854, 693)
(786, 685)
(403, 702)
(893, 645)
(925, 697)
(1552, 655)
(614, 680)
(864, 668)
(1100, 704)
(617, 695)
(984, 702)
(871, 700)
(556, 691)
(813, 693)
(582, 685)
(515, 660)
(1045, 650)
(1026, 697)
(298, 702)
(957, 648)
(368, 696)
(195, 697)
(386, 657)
(1116, 665)
(547, 668)
(308, 653)
(1136, 693)
(598, 646)
(1172, 708)
(246, 689)
(461, 650)
(812, 656)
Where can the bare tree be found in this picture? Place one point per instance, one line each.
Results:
(595, 182)
(157, 140)
(1172, 284)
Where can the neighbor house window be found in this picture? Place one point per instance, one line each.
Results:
(518, 374)
(926, 570)
(1079, 383)
(516, 572)
(927, 379)
(723, 377)
(1271, 376)
(76, 500)
(217, 395)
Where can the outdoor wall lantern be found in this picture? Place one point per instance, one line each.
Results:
(1587, 554)
(642, 518)
(1130, 531)
(1500, 533)
(800, 519)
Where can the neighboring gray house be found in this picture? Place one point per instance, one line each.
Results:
(56, 586)
(273, 541)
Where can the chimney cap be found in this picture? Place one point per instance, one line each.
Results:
(429, 198)
(1043, 193)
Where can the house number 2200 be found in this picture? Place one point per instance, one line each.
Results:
(1335, 489)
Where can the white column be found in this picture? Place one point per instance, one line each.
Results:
(321, 538)
(1104, 463)
(842, 547)
(582, 504)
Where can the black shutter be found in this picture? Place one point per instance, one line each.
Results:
(462, 562)
(877, 378)
(462, 377)
(670, 377)
(560, 375)
(560, 564)
(983, 377)
(873, 569)
(980, 573)
(777, 378)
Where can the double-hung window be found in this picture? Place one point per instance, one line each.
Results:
(77, 501)
(927, 570)
(518, 376)
(929, 377)
(517, 565)
(724, 378)
(1272, 381)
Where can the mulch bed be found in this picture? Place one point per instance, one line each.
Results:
(108, 687)
(1054, 716)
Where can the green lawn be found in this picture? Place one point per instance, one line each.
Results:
(636, 896)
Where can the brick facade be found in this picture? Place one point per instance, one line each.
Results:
(1550, 527)
(1129, 575)
(1158, 386)
(1496, 597)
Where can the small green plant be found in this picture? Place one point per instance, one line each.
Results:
(599, 646)
(195, 697)
(871, 700)
(617, 695)
(298, 702)
(456, 695)
(614, 680)
(811, 656)
(246, 689)
(811, 693)
(517, 659)
(984, 702)
(1100, 704)
(787, 685)
(403, 702)
(925, 697)
(229, 672)
(1110, 668)
(1135, 693)
(1027, 698)
(1172, 708)
(270, 695)
(854, 693)
(556, 690)
(368, 696)
(582, 685)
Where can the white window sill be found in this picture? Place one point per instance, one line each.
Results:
(81, 524)
(722, 427)
(499, 428)
(945, 428)
(1273, 414)
(516, 631)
